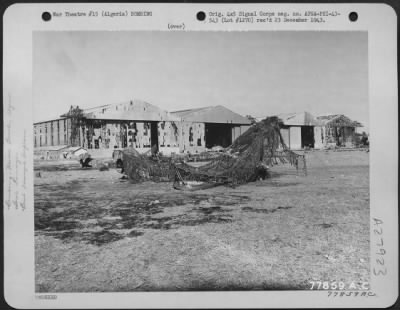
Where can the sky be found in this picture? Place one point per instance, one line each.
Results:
(258, 73)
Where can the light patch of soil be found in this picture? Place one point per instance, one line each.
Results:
(96, 232)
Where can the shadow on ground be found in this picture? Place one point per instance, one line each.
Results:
(82, 219)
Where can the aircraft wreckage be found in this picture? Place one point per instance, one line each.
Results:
(247, 159)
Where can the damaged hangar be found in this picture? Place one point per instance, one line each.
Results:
(207, 127)
(303, 130)
(142, 125)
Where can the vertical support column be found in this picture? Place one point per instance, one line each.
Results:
(68, 140)
(127, 136)
(181, 139)
(80, 136)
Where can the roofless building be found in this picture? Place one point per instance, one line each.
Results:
(338, 130)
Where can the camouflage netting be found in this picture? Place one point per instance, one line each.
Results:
(139, 167)
(246, 160)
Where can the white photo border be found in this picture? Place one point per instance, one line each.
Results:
(21, 20)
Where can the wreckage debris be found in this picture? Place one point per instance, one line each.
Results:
(246, 160)
(85, 160)
(139, 167)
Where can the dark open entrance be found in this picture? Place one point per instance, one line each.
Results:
(307, 136)
(218, 135)
(154, 134)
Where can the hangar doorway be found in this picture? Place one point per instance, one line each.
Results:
(307, 137)
(218, 135)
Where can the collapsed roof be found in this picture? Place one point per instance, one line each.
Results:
(337, 120)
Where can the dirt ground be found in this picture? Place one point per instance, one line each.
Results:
(97, 232)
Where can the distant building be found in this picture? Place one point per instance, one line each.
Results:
(301, 130)
(52, 132)
(304, 130)
(338, 130)
(142, 125)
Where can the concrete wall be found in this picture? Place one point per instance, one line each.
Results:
(168, 134)
(244, 128)
(168, 137)
(114, 134)
(295, 138)
(62, 132)
(142, 137)
(52, 133)
(48, 129)
(192, 137)
(238, 130)
(173, 137)
(136, 134)
(285, 136)
(346, 138)
(318, 137)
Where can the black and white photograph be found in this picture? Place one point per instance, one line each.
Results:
(200, 155)
(200, 161)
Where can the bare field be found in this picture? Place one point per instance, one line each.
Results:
(96, 232)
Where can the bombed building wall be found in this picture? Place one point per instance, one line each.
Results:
(168, 136)
(338, 130)
(141, 125)
(192, 137)
(102, 134)
(139, 136)
(196, 137)
(338, 136)
(206, 127)
(303, 130)
(135, 124)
